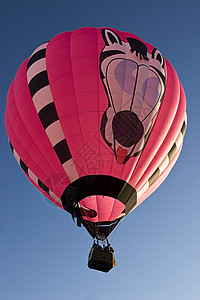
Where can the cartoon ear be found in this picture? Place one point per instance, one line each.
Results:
(110, 37)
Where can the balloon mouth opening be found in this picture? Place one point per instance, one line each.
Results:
(90, 185)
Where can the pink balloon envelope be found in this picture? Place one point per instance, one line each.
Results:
(96, 119)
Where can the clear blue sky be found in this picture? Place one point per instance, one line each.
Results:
(43, 255)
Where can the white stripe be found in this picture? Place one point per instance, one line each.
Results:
(185, 118)
(55, 133)
(42, 98)
(70, 169)
(143, 189)
(33, 176)
(179, 140)
(37, 67)
(16, 156)
(56, 198)
(43, 46)
(164, 164)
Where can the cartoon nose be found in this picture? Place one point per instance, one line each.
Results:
(127, 128)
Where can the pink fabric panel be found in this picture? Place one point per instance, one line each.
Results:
(89, 122)
(129, 168)
(168, 142)
(117, 169)
(58, 69)
(106, 153)
(91, 149)
(62, 106)
(107, 208)
(162, 124)
(106, 163)
(61, 87)
(118, 208)
(11, 134)
(86, 82)
(71, 125)
(11, 112)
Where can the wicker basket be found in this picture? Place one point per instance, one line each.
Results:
(101, 260)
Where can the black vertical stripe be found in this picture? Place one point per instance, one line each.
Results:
(62, 151)
(38, 55)
(172, 152)
(23, 166)
(183, 129)
(154, 176)
(43, 186)
(48, 115)
(38, 82)
(11, 146)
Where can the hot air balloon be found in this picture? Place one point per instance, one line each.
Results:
(96, 120)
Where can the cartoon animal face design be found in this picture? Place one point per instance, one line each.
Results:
(134, 81)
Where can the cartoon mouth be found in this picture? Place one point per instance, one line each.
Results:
(127, 128)
(121, 155)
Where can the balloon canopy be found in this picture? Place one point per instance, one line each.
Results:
(96, 119)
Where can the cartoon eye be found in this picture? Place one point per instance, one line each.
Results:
(151, 91)
(125, 74)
